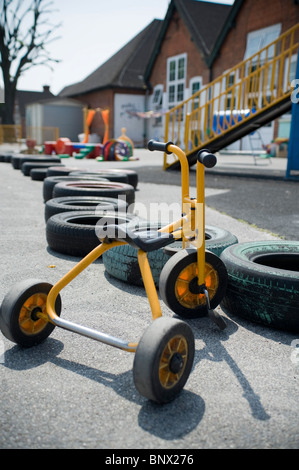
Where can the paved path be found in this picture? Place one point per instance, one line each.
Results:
(72, 392)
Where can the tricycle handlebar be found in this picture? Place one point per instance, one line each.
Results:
(207, 158)
(161, 146)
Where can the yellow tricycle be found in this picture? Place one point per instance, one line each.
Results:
(192, 284)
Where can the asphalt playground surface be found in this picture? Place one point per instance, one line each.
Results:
(71, 392)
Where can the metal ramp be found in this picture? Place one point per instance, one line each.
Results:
(239, 102)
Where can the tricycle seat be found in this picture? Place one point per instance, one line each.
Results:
(146, 240)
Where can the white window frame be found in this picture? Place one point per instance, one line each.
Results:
(176, 82)
(228, 81)
(193, 80)
(157, 102)
(262, 37)
(157, 97)
(288, 79)
(194, 104)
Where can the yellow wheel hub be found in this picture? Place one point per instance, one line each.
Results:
(188, 275)
(173, 361)
(33, 317)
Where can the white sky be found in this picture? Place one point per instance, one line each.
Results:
(92, 31)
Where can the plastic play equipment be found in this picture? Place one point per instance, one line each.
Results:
(89, 118)
(65, 148)
(120, 149)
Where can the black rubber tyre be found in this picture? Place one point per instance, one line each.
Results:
(38, 174)
(95, 188)
(216, 240)
(75, 233)
(51, 181)
(163, 359)
(63, 171)
(121, 262)
(18, 320)
(83, 203)
(18, 160)
(132, 175)
(28, 166)
(263, 283)
(6, 157)
(178, 283)
(110, 175)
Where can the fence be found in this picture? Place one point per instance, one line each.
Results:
(10, 134)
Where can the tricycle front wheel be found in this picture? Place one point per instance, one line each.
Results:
(163, 359)
(23, 316)
(179, 283)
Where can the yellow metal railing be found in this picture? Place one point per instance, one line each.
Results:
(10, 133)
(251, 87)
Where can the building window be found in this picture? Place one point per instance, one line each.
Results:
(194, 86)
(157, 102)
(257, 40)
(290, 71)
(261, 87)
(157, 96)
(230, 99)
(176, 79)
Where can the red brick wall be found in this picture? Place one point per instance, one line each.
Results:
(177, 40)
(254, 15)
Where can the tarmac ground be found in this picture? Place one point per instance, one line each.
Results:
(74, 393)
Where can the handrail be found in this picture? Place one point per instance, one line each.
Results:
(249, 88)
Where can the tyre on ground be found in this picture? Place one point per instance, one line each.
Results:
(83, 203)
(109, 175)
(51, 181)
(28, 166)
(60, 171)
(132, 175)
(38, 174)
(18, 160)
(77, 233)
(263, 283)
(95, 188)
(121, 262)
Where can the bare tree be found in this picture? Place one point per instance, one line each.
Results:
(25, 32)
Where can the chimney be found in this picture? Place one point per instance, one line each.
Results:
(46, 89)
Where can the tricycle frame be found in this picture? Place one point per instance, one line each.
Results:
(186, 228)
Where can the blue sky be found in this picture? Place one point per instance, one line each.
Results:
(92, 31)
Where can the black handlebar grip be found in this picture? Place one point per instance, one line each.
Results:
(207, 158)
(161, 146)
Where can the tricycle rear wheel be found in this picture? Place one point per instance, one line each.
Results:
(23, 316)
(163, 359)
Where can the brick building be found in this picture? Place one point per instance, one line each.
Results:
(173, 58)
